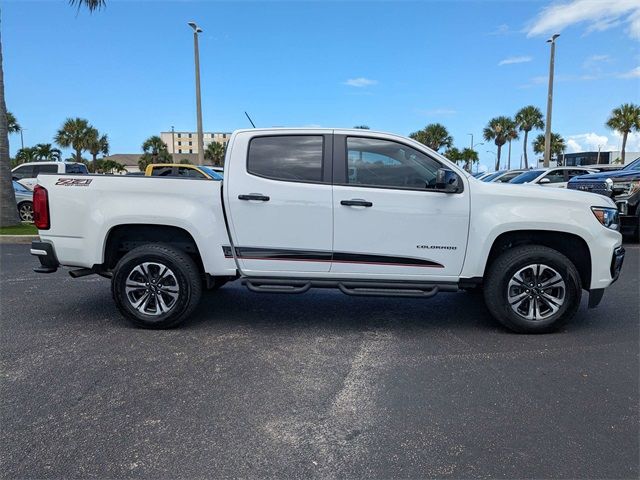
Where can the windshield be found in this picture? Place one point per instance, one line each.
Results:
(211, 172)
(635, 165)
(527, 176)
(488, 178)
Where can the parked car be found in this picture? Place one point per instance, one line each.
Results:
(24, 201)
(502, 176)
(377, 214)
(27, 173)
(551, 177)
(481, 175)
(623, 186)
(181, 170)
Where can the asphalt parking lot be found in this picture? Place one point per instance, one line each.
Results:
(314, 385)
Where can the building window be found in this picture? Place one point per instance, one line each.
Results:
(189, 135)
(190, 150)
(190, 143)
(179, 135)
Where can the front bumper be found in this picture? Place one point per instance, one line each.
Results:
(47, 256)
(617, 259)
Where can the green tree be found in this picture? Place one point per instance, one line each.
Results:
(512, 134)
(624, 119)
(185, 161)
(529, 118)
(75, 133)
(435, 136)
(215, 153)
(12, 123)
(558, 145)
(91, 5)
(498, 129)
(454, 154)
(46, 153)
(97, 144)
(26, 154)
(470, 156)
(154, 151)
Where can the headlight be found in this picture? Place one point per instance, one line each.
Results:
(607, 216)
(626, 188)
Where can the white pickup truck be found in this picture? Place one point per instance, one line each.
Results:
(367, 213)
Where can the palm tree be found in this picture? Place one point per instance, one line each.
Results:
(454, 154)
(97, 144)
(558, 145)
(8, 212)
(92, 5)
(155, 151)
(470, 156)
(215, 153)
(46, 152)
(529, 118)
(27, 154)
(498, 129)
(362, 127)
(76, 134)
(435, 136)
(625, 119)
(12, 123)
(512, 134)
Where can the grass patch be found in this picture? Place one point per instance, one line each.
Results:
(22, 229)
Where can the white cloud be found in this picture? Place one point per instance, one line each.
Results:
(594, 61)
(502, 29)
(599, 15)
(512, 60)
(608, 143)
(633, 73)
(360, 82)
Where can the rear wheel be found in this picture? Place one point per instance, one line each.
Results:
(25, 210)
(156, 286)
(532, 289)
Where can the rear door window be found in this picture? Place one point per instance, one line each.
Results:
(294, 158)
(77, 168)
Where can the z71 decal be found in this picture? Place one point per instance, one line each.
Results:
(74, 182)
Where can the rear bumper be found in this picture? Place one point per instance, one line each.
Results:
(47, 256)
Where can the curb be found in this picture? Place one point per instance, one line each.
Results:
(21, 239)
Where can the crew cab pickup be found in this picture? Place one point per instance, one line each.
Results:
(363, 212)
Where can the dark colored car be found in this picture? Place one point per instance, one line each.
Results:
(623, 186)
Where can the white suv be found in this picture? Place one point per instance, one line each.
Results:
(27, 173)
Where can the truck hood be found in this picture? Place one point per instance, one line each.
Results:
(613, 175)
(544, 195)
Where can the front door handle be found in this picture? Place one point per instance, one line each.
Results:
(356, 202)
(254, 196)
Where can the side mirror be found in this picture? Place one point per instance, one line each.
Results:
(544, 180)
(447, 181)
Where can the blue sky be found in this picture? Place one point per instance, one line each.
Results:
(395, 66)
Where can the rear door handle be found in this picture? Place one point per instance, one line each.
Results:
(356, 202)
(254, 196)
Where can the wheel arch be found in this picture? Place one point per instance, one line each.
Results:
(572, 246)
(123, 238)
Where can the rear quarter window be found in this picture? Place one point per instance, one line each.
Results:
(77, 169)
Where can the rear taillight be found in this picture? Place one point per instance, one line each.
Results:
(41, 208)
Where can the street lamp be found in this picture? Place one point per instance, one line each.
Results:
(173, 142)
(547, 132)
(196, 52)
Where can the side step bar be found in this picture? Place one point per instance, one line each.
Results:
(350, 287)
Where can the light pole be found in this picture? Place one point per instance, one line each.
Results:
(547, 132)
(173, 142)
(473, 145)
(598, 161)
(196, 52)
(22, 138)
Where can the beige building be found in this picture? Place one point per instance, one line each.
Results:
(187, 142)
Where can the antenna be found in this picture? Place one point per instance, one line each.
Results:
(252, 124)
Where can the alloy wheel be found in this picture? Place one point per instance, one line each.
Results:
(536, 292)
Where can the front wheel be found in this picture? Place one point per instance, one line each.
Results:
(156, 286)
(532, 289)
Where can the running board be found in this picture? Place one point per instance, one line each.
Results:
(368, 288)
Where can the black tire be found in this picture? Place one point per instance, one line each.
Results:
(501, 282)
(171, 297)
(25, 211)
